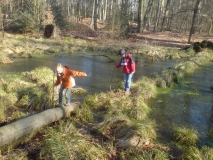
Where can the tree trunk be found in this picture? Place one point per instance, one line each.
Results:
(157, 15)
(140, 26)
(25, 126)
(105, 11)
(93, 11)
(210, 28)
(147, 13)
(95, 15)
(165, 14)
(193, 19)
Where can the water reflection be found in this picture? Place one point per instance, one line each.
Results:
(188, 105)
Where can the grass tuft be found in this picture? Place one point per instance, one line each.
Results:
(150, 154)
(139, 134)
(68, 143)
(41, 75)
(140, 111)
(114, 125)
(84, 114)
(207, 153)
(192, 153)
(144, 89)
(185, 136)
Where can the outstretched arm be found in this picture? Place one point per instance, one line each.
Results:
(118, 65)
(77, 73)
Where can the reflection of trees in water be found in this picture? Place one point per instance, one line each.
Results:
(186, 103)
(187, 115)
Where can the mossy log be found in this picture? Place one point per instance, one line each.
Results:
(25, 126)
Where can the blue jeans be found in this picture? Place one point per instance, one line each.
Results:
(127, 81)
(67, 95)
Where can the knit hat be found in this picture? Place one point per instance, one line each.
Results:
(121, 52)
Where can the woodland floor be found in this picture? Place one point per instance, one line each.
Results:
(165, 38)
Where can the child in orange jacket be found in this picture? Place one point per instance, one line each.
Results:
(64, 79)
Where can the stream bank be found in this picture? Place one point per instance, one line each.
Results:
(125, 127)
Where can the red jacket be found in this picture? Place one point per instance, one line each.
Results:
(65, 79)
(130, 67)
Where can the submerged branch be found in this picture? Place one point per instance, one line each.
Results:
(103, 56)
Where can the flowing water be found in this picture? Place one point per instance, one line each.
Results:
(187, 105)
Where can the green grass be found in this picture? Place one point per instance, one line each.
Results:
(98, 102)
(140, 111)
(41, 75)
(149, 154)
(185, 136)
(113, 125)
(18, 114)
(84, 114)
(138, 135)
(2, 112)
(16, 154)
(67, 142)
(144, 89)
(192, 153)
(207, 153)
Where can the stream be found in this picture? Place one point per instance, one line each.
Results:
(188, 105)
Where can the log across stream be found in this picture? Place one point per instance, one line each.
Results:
(13, 131)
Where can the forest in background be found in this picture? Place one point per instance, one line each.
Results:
(120, 17)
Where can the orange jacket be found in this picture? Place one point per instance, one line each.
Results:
(65, 79)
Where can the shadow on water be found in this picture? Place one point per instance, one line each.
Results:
(188, 105)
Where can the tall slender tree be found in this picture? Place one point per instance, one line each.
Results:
(95, 14)
(140, 15)
(165, 14)
(196, 8)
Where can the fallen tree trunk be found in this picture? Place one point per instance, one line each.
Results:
(25, 126)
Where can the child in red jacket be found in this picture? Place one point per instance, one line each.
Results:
(128, 64)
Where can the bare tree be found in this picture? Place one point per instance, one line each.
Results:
(147, 13)
(165, 14)
(140, 15)
(157, 17)
(95, 14)
(196, 8)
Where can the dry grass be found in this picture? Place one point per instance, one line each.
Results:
(113, 125)
(148, 154)
(139, 134)
(67, 143)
